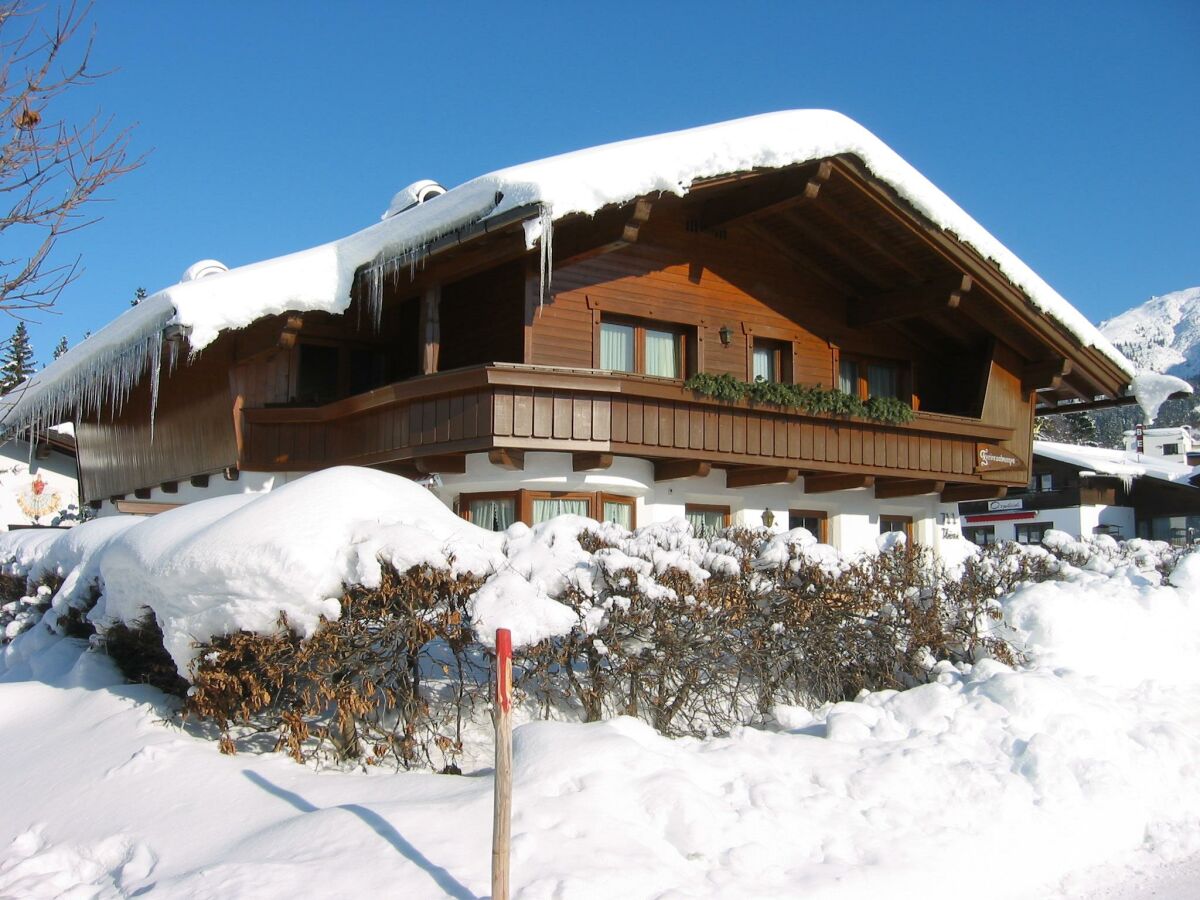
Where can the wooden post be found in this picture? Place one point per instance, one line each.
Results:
(502, 811)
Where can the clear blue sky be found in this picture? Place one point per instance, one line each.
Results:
(1069, 130)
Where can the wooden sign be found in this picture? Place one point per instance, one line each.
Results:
(989, 458)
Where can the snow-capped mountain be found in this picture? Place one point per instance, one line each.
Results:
(1163, 334)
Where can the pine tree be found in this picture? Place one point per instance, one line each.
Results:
(138, 296)
(16, 364)
(61, 347)
(1081, 428)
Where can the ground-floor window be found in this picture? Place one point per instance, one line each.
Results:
(706, 520)
(496, 511)
(980, 535)
(815, 521)
(1032, 532)
(888, 524)
(1179, 530)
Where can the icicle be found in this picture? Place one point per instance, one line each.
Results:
(546, 224)
(155, 374)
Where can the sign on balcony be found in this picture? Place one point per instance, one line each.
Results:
(989, 458)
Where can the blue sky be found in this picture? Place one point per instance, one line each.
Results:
(1069, 130)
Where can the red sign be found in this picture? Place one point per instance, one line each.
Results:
(1001, 517)
(504, 669)
(1139, 437)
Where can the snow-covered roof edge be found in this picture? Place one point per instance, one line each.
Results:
(580, 182)
(1104, 461)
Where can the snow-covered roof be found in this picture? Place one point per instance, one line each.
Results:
(1119, 463)
(582, 182)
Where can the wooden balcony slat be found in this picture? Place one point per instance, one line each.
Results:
(543, 415)
(601, 418)
(564, 417)
(581, 412)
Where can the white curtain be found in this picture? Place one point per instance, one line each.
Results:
(616, 347)
(495, 514)
(763, 364)
(706, 522)
(548, 509)
(848, 378)
(883, 381)
(662, 354)
(620, 513)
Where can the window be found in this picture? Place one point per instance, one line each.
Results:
(495, 512)
(862, 377)
(621, 510)
(1042, 481)
(544, 507)
(980, 535)
(771, 361)
(888, 524)
(706, 521)
(1032, 532)
(647, 348)
(318, 375)
(1170, 450)
(817, 523)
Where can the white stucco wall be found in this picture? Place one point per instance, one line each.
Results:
(853, 515)
(19, 469)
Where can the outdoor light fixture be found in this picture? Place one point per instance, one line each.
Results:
(726, 335)
(768, 518)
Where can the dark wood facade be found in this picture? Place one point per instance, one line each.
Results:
(818, 263)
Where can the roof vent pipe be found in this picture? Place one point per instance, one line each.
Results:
(203, 269)
(413, 195)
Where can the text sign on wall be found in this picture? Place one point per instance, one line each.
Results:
(1139, 437)
(989, 458)
(999, 505)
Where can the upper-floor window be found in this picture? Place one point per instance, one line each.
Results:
(862, 377)
(1170, 449)
(771, 360)
(1042, 481)
(644, 347)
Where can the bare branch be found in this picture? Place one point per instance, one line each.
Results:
(51, 171)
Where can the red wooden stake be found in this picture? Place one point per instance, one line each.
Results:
(502, 809)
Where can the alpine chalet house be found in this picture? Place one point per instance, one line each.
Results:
(771, 320)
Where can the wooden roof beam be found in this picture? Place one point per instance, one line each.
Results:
(890, 489)
(507, 458)
(934, 296)
(761, 200)
(823, 484)
(448, 463)
(816, 236)
(590, 462)
(1045, 375)
(751, 476)
(671, 469)
(855, 228)
(961, 493)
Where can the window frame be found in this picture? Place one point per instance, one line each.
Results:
(464, 503)
(904, 379)
(781, 358)
(820, 515)
(1036, 484)
(685, 342)
(970, 530)
(603, 497)
(523, 502)
(1026, 526)
(906, 521)
(725, 511)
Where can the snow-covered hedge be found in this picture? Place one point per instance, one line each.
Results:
(352, 608)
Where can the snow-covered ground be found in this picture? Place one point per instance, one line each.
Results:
(1073, 776)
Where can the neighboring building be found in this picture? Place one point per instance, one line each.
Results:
(523, 341)
(1086, 491)
(38, 484)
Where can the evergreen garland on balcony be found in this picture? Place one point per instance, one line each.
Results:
(796, 396)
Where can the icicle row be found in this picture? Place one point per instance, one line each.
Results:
(106, 379)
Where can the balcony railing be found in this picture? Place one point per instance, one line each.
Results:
(538, 408)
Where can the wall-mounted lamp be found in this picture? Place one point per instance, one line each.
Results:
(768, 518)
(726, 334)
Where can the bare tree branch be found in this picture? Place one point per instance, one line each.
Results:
(51, 170)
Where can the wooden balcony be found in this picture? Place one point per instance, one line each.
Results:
(424, 421)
